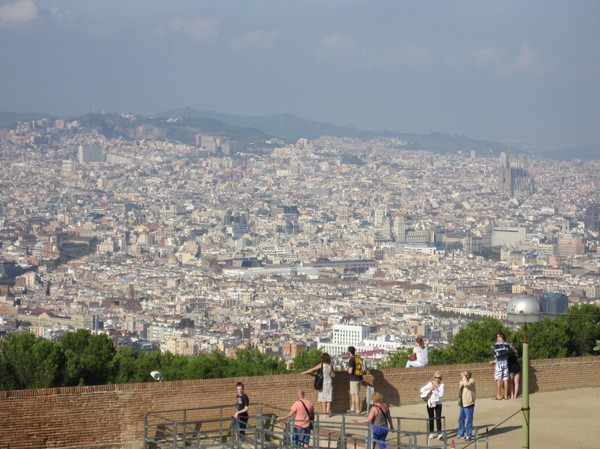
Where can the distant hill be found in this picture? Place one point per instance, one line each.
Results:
(284, 126)
(586, 152)
(180, 129)
(291, 128)
(183, 124)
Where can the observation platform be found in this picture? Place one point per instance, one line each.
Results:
(560, 419)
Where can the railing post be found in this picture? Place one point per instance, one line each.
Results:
(185, 427)
(343, 433)
(260, 426)
(145, 430)
(315, 431)
(174, 434)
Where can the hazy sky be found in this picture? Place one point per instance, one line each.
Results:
(521, 70)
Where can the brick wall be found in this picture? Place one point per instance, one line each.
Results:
(112, 416)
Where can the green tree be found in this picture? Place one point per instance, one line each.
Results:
(48, 360)
(207, 366)
(396, 359)
(471, 344)
(306, 359)
(29, 362)
(584, 328)
(174, 366)
(88, 358)
(548, 338)
(131, 365)
(251, 362)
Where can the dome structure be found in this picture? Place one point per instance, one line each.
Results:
(524, 309)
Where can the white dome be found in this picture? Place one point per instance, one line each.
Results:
(524, 309)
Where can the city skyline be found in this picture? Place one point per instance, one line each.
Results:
(137, 233)
(500, 71)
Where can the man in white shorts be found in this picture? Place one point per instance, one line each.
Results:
(502, 350)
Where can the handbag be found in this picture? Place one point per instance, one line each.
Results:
(319, 380)
(433, 400)
(412, 357)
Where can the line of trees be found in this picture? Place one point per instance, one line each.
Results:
(572, 334)
(81, 358)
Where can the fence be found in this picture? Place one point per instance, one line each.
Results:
(213, 427)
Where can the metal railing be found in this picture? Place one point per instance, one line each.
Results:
(213, 427)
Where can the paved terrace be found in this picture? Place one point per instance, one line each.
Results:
(568, 419)
(561, 419)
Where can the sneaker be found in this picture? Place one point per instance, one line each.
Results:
(468, 438)
(350, 412)
(431, 436)
(441, 436)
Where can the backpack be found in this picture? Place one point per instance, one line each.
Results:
(360, 369)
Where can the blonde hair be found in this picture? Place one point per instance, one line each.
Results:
(437, 374)
(376, 397)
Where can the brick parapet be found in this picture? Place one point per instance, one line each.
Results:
(112, 416)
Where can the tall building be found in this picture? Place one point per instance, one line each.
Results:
(400, 229)
(90, 153)
(570, 246)
(592, 217)
(514, 179)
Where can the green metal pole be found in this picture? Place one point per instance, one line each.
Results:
(525, 405)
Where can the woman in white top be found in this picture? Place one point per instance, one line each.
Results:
(433, 391)
(326, 393)
(419, 355)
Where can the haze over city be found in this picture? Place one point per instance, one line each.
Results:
(498, 70)
(203, 193)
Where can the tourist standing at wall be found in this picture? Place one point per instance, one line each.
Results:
(466, 403)
(355, 369)
(380, 419)
(501, 350)
(326, 392)
(432, 392)
(304, 414)
(242, 403)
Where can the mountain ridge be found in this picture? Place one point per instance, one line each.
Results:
(289, 128)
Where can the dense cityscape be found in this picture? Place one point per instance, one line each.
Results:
(191, 248)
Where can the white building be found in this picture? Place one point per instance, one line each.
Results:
(345, 335)
(508, 236)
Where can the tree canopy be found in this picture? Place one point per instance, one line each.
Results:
(571, 334)
(83, 358)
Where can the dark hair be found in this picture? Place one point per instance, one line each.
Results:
(501, 334)
(239, 384)
(351, 350)
(325, 358)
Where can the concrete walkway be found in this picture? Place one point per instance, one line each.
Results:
(567, 419)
